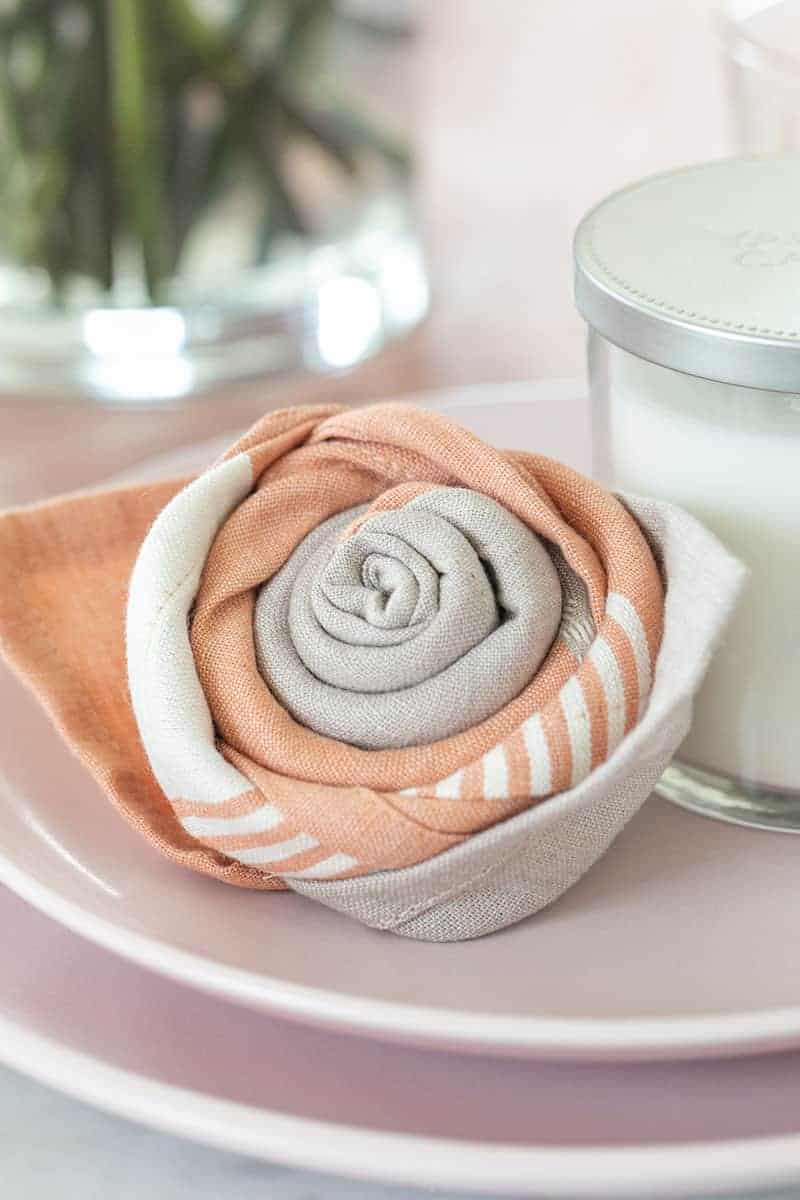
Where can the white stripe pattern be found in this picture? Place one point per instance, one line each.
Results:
(576, 712)
(449, 788)
(256, 856)
(334, 865)
(259, 821)
(495, 774)
(539, 755)
(622, 610)
(605, 662)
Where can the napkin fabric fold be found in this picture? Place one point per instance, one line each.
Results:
(421, 623)
(284, 774)
(518, 867)
(368, 657)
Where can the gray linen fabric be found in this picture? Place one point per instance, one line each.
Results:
(426, 621)
(515, 868)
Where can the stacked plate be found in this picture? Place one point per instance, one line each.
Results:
(636, 1038)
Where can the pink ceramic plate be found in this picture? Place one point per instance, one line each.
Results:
(681, 942)
(100, 1029)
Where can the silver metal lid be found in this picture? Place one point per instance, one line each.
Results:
(699, 270)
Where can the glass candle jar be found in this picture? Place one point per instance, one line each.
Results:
(690, 284)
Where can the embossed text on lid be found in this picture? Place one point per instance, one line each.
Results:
(699, 270)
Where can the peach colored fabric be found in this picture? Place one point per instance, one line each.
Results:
(385, 456)
(328, 476)
(63, 569)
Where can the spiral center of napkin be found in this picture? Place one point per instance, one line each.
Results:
(389, 595)
(425, 620)
(375, 588)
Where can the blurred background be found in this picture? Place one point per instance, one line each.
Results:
(213, 207)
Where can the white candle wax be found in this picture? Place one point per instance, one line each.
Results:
(731, 456)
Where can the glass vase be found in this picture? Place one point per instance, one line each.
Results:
(193, 191)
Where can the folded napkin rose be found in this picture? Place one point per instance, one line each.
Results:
(372, 659)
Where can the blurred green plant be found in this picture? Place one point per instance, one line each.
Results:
(121, 121)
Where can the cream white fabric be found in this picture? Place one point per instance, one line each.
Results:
(171, 710)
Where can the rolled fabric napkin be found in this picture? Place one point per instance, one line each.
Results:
(414, 625)
(364, 650)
